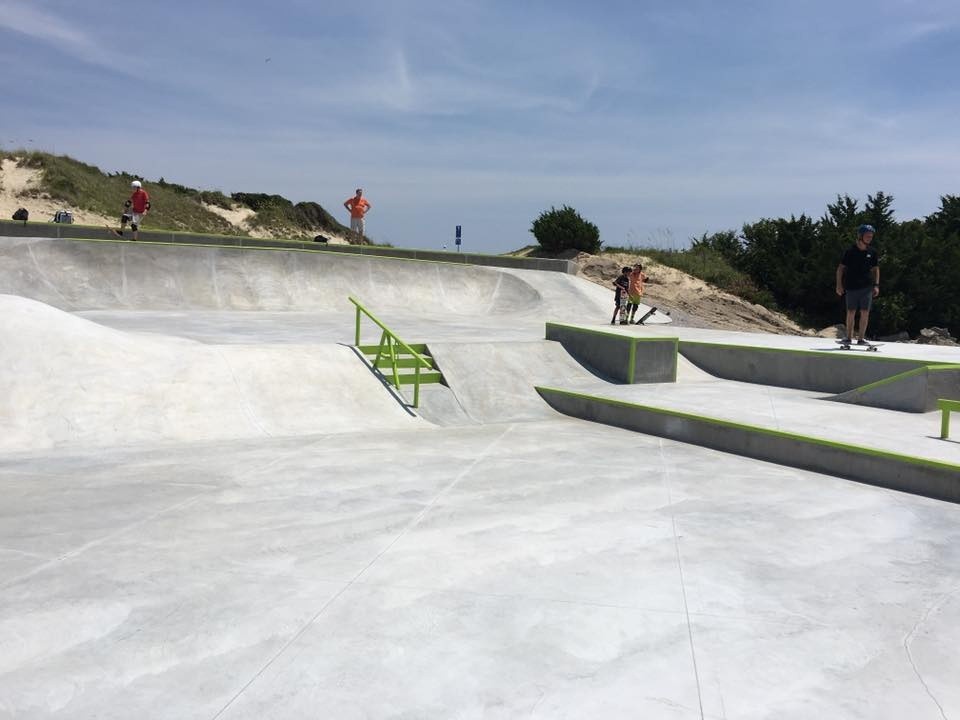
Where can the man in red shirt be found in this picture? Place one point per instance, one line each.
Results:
(358, 207)
(135, 209)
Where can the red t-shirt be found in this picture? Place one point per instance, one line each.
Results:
(139, 201)
(358, 206)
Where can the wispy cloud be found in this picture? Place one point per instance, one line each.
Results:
(690, 118)
(33, 20)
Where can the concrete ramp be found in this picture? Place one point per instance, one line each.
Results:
(687, 372)
(495, 382)
(70, 382)
(912, 391)
(88, 275)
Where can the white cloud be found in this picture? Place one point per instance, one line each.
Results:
(34, 21)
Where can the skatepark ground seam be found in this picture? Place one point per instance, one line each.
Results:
(350, 583)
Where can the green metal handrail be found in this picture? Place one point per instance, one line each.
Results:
(388, 348)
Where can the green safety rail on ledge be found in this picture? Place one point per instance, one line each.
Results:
(392, 354)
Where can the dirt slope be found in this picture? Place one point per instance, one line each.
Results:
(691, 301)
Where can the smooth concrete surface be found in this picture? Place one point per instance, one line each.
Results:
(913, 391)
(68, 381)
(793, 411)
(908, 473)
(250, 526)
(549, 570)
(223, 295)
(495, 382)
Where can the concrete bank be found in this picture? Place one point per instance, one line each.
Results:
(920, 476)
(85, 232)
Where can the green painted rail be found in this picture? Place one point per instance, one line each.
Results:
(946, 407)
(392, 354)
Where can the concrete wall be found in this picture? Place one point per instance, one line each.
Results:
(828, 372)
(83, 232)
(913, 391)
(898, 472)
(620, 357)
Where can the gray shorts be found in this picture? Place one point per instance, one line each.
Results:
(859, 299)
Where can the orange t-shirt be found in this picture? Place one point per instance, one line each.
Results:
(358, 206)
(636, 283)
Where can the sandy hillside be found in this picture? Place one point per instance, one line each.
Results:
(240, 218)
(17, 186)
(691, 301)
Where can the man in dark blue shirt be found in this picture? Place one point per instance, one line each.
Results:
(858, 278)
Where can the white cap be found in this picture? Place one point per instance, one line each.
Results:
(135, 184)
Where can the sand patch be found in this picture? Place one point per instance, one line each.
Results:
(17, 186)
(240, 218)
(237, 216)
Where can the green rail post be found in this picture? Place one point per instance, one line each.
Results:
(946, 407)
(356, 335)
(416, 385)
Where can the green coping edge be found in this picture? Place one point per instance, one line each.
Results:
(386, 253)
(904, 376)
(246, 248)
(827, 353)
(885, 454)
(611, 333)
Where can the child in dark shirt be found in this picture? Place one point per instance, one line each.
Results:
(622, 298)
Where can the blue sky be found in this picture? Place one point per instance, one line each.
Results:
(657, 121)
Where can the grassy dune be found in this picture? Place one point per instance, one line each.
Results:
(175, 207)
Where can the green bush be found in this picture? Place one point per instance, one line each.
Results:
(565, 229)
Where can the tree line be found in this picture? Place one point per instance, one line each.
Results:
(794, 260)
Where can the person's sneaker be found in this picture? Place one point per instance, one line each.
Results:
(846, 341)
(861, 341)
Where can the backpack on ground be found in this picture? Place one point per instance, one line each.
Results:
(63, 216)
(22, 214)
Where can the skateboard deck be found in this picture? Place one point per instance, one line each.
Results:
(647, 314)
(869, 347)
(623, 309)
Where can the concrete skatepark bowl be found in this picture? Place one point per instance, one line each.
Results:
(214, 508)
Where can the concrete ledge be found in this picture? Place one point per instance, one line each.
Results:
(620, 357)
(815, 370)
(920, 476)
(87, 232)
(913, 391)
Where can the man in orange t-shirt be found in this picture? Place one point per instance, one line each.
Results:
(358, 206)
(635, 293)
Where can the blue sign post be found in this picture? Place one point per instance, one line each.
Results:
(459, 239)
